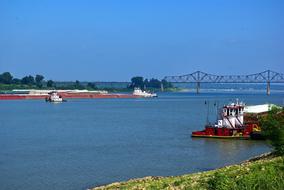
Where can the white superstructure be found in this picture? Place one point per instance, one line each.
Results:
(232, 115)
(54, 97)
(139, 92)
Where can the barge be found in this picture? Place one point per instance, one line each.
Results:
(66, 94)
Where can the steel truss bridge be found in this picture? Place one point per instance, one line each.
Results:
(198, 77)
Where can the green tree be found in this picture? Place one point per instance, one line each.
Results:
(273, 128)
(29, 80)
(50, 83)
(167, 84)
(154, 83)
(6, 78)
(91, 85)
(146, 83)
(38, 80)
(78, 85)
(16, 81)
(137, 82)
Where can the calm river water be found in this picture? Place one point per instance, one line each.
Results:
(85, 143)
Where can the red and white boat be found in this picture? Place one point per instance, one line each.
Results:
(54, 97)
(238, 121)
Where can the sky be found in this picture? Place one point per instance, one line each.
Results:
(114, 40)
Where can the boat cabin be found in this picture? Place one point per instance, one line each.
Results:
(232, 116)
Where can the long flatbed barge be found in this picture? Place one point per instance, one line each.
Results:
(65, 95)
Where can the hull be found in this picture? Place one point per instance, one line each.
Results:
(225, 133)
(21, 97)
(65, 96)
(234, 123)
(257, 136)
(90, 95)
(11, 97)
(222, 137)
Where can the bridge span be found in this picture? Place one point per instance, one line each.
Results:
(199, 77)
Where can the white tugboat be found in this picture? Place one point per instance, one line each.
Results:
(144, 94)
(54, 97)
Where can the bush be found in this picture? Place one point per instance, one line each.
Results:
(273, 129)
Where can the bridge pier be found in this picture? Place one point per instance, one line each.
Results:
(268, 88)
(198, 87)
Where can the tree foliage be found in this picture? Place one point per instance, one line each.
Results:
(167, 84)
(6, 78)
(38, 80)
(29, 80)
(92, 86)
(16, 81)
(273, 128)
(50, 83)
(137, 82)
(152, 83)
(78, 85)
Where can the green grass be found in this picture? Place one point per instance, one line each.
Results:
(265, 173)
(4, 87)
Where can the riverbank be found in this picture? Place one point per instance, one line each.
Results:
(263, 172)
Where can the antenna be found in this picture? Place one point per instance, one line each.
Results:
(216, 104)
(207, 116)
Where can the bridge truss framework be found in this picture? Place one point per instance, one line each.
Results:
(198, 77)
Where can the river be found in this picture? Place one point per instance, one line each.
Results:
(85, 143)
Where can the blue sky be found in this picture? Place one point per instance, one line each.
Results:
(113, 40)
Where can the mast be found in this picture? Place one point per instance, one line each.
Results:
(207, 115)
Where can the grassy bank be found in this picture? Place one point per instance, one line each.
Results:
(264, 172)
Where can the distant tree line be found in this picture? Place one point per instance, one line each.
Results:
(7, 78)
(142, 83)
(39, 82)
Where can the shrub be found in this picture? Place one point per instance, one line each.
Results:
(273, 129)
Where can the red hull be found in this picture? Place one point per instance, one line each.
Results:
(90, 95)
(11, 97)
(65, 95)
(222, 137)
(215, 132)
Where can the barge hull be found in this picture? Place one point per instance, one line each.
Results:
(65, 96)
